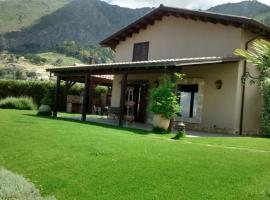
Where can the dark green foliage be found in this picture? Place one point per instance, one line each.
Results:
(84, 53)
(265, 126)
(18, 103)
(180, 134)
(244, 8)
(85, 21)
(35, 59)
(159, 130)
(34, 89)
(14, 72)
(48, 98)
(99, 90)
(31, 75)
(164, 100)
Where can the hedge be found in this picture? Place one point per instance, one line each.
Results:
(265, 126)
(34, 89)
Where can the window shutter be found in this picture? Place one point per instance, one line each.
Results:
(140, 51)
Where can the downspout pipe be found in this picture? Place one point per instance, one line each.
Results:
(244, 89)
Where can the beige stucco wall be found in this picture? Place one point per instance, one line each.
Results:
(218, 113)
(253, 98)
(219, 106)
(177, 38)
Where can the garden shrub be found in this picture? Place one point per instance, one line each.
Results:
(19, 103)
(180, 134)
(99, 90)
(164, 100)
(35, 89)
(16, 187)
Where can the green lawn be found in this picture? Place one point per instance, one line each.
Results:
(73, 160)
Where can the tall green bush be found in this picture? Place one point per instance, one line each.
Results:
(19, 103)
(265, 125)
(34, 89)
(100, 89)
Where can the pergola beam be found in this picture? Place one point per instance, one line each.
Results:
(118, 71)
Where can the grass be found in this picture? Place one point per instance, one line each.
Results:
(73, 160)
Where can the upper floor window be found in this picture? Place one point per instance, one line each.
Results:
(140, 51)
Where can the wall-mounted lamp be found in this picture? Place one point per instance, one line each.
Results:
(219, 84)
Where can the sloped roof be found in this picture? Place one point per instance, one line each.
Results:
(111, 68)
(158, 13)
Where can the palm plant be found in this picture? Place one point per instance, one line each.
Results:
(259, 55)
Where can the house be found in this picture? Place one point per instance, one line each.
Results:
(216, 97)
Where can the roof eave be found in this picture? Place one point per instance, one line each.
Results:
(238, 21)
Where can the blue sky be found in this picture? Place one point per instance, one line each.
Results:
(192, 4)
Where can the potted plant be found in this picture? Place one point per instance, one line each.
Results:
(164, 104)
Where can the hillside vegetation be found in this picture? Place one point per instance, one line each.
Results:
(245, 8)
(82, 21)
(44, 33)
(24, 13)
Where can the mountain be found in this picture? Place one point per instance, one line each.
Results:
(245, 8)
(264, 18)
(18, 14)
(82, 21)
(38, 25)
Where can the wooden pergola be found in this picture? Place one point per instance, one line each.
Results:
(86, 74)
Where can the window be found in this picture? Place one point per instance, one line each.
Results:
(189, 100)
(140, 51)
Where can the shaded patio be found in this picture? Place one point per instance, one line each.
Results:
(103, 120)
(86, 74)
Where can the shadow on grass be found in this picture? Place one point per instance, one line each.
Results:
(133, 130)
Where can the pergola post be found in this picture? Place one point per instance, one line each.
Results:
(56, 96)
(122, 98)
(65, 94)
(91, 95)
(86, 97)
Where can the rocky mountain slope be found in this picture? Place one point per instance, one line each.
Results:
(245, 8)
(38, 25)
(83, 21)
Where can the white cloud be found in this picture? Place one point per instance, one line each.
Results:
(192, 4)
